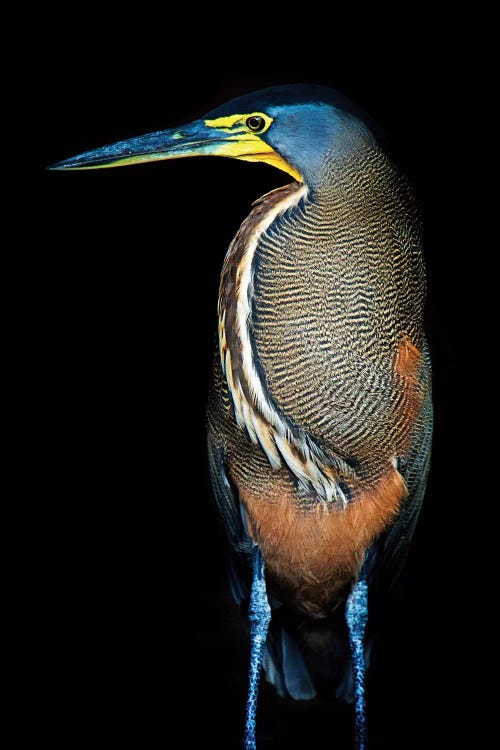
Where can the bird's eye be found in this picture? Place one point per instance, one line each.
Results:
(255, 123)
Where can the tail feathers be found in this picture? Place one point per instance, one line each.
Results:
(311, 660)
(285, 668)
(273, 673)
(345, 688)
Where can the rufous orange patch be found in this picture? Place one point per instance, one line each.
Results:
(313, 555)
(408, 359)
(407, 366)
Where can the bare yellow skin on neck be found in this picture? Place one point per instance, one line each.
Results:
(247, 146)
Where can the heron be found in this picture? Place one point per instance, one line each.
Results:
(320, 409)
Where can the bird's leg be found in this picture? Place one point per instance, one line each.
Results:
(356, 616)
(259, 614)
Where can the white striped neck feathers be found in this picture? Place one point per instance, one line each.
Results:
(254, 410)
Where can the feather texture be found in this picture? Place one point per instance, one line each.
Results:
(320, 412)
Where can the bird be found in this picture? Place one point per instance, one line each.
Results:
(319, 418)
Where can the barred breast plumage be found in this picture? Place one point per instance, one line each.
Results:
(321, 391)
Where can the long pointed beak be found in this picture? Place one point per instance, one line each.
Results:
(196, 139)
(199, 138)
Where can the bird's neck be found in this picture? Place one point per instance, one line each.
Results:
(349, 169)
(235, 301)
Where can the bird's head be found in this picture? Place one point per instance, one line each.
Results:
(297, 128)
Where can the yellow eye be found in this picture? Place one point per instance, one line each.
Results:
(255, 123)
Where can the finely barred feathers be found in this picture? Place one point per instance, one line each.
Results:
(323, 388)
(338, 293)
(253, 409)
(320, 326)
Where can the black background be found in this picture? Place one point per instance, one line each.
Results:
(141, 642)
